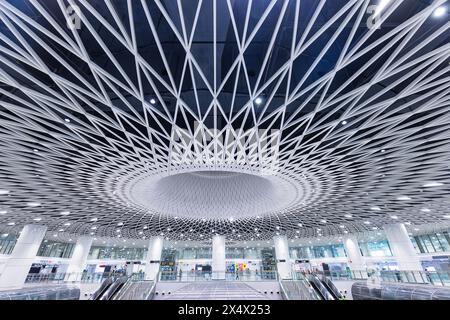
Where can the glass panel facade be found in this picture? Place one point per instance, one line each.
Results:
(379, 248)
(55, 249)
(194, 253)
(311, 252)
(119, 253)
(434, 242)
(242, 253)
(7, 243)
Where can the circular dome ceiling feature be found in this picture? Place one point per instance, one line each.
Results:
(214, 194)
(119, 115)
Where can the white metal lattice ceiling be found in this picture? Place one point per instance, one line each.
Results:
(329, 116)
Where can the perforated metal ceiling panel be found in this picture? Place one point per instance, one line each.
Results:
(244, 118)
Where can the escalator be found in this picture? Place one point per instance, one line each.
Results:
(109, 288)
(319, 287)
(331, 288)
(136, 290)
(104, 286)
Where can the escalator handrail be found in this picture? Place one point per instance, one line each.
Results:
(103, 287)
(315, 281)
(114, 287)
(331, 287)
(122, 290)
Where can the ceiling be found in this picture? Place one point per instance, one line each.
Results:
(189, 118)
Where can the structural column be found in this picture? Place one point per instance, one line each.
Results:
(355, 258)
(402, 247)
(79, 257)
(282, 255)
(22, 257)
(218, 257)
(155, 246)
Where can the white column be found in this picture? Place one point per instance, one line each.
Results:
(402, 247)
(23, 255)
(218, 257)
(282, 256)
(155, 246)
(78, 261)
(355, 258)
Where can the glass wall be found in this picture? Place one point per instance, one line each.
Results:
(119, 253)
(378, 248)
(311, 252)
(194, 253)
(434, 242)
(7, 243)
(242, 253)
(55, 249)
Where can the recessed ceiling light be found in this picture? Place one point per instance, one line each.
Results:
(425, 210)
(439, 12)
(61, 230)
(152, 101)
(394, 217)
(447, 216)
(93, 228)
(67, 224)
(348, 215)
(341, 226)
(55, 235)
(33, 204)
(300, 225)
(11, 223)
(344, 122)
(366, 222)
(3, 212)
(94, 219)
(65, 213)
(258, 100)
(2, 191)
(120, 224)
(403, 198)
(67, 120)
(323, 221)
(5, 235)
(375, 208)
(37, 219)
(433, 184)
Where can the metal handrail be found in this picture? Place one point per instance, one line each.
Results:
(298, 289)
(436, 278)
(190, 276)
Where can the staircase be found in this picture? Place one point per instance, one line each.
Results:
(214, 291)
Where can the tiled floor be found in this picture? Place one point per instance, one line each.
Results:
(214, 291)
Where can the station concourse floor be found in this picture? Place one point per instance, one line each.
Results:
(214, 291)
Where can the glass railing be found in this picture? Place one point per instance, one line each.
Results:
(68, 277)
(298, 289)
(45, 293)
(218, 275)
(136, 289)
(436, 278)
